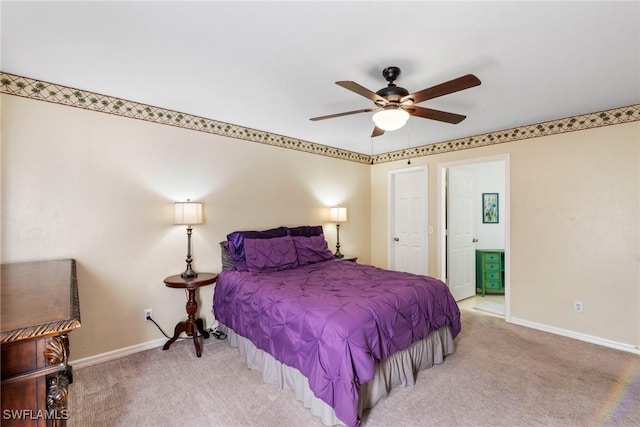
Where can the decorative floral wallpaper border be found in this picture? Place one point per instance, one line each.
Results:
(44, 91)
(551, 127)
(58, 94)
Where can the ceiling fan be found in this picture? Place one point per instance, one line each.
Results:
(395, 104)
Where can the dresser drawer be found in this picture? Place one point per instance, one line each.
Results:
(493, 275)
(491, 257)
(493, 284)
(492, 266)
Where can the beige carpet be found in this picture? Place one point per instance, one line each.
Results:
(500, 375)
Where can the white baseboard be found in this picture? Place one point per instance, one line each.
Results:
(576, 335)
(116, 354)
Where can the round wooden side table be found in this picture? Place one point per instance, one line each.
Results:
(192, 325)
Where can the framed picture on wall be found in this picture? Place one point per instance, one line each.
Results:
(490, 208)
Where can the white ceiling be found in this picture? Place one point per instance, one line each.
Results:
(272, 65)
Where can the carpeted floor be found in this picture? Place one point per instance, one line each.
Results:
(500, 375)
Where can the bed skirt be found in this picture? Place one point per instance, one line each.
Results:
(399, 370)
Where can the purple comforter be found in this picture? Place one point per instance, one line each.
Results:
(334, 320)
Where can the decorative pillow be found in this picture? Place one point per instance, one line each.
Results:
(227, 260)
(306, 230)
(236, 243)
(311, 249)
(275, 254)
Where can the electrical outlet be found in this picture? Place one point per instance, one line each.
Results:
(147, 313)
(577, 305)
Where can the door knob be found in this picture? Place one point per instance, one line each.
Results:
(475, 240)
(396, 239)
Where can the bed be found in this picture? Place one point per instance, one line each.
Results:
(340, 334)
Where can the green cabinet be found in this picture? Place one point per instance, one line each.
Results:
(490, 271)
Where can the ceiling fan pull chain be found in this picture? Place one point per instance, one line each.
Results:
(409, 139)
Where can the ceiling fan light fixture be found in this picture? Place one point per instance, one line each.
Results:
(390, 118)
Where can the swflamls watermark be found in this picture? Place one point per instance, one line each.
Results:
(30, 414)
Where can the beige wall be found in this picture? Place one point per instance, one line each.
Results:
(100, 189)
(575, 236)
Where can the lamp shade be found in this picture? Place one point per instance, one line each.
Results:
(188, 213)
(338, 214)
(390, 118)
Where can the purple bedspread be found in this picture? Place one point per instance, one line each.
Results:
(334, 320)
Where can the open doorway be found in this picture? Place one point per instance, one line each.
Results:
(466, 236)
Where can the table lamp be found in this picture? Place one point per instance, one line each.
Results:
(188, 213)
(338, 214)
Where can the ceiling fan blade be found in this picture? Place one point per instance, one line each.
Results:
(441, 116)
(377, 132)
(363, 91)
(346, 113)
(455, 85)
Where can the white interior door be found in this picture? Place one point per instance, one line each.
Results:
(460, 234)
(408, 246)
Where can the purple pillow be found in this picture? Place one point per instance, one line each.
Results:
(311, 249)
(275, 254)
(306, 230)
(236, 243)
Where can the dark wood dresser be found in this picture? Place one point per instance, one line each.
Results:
(39, 307)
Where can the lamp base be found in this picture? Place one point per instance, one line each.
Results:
(338, 254)
(188, 273)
